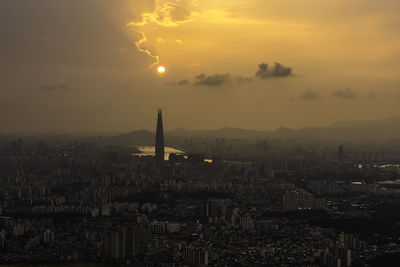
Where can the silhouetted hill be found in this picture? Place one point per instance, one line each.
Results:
(180, 132)
(367, 123)
(227, 132)
(134, 138)
(284, 132)
(374, 130)
(377, 130)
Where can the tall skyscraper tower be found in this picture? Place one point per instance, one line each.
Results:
(159, 139)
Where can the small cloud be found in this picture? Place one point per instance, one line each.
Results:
(243, 79)
(277, 71)
(179, 41)
(48, 87)
(180, 83)
(213, 80)
(309, 95)
(371, 95)
(183, 82)
(345, 94)
(63, 87)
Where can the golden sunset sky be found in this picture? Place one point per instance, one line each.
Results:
(90, 65)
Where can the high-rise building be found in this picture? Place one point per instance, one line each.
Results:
(159, 139)
(48, 236)
(216, 208)
(196, 256)
(2, 240)
(126, 242)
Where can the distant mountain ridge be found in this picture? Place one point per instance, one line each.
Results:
(373, 130)
(226, 132)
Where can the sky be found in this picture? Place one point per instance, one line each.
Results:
(89, 66)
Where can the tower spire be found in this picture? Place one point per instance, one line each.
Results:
(159, 139)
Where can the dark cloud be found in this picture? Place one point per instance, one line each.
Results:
(309, 95)
(183, 82)
(278, 70)
(213, 80)
(345, 94)
(243, 79)
(48, 87)
(180, 83)
(371, 95)
(264, 72)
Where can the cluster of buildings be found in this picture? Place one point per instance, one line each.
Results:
(81, 202)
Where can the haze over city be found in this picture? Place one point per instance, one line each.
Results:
(90, 66)
(194, 133)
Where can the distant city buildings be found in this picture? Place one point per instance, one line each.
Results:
(259, 202)
(301, 200)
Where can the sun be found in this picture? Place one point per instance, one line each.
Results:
(161, 69)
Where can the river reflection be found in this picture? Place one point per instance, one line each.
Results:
(150, 151)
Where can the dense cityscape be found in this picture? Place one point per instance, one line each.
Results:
(194, 133)
(267, 203)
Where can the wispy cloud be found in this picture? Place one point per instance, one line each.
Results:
(345, 94)
(212, 80)
(309, 95)
(180, 83)
(221, 79)
(167, 13)
(139, 46)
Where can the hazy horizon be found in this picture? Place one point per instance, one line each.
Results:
(169, 130)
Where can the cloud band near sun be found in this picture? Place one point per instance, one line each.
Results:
(167, 13)
(264, 72)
